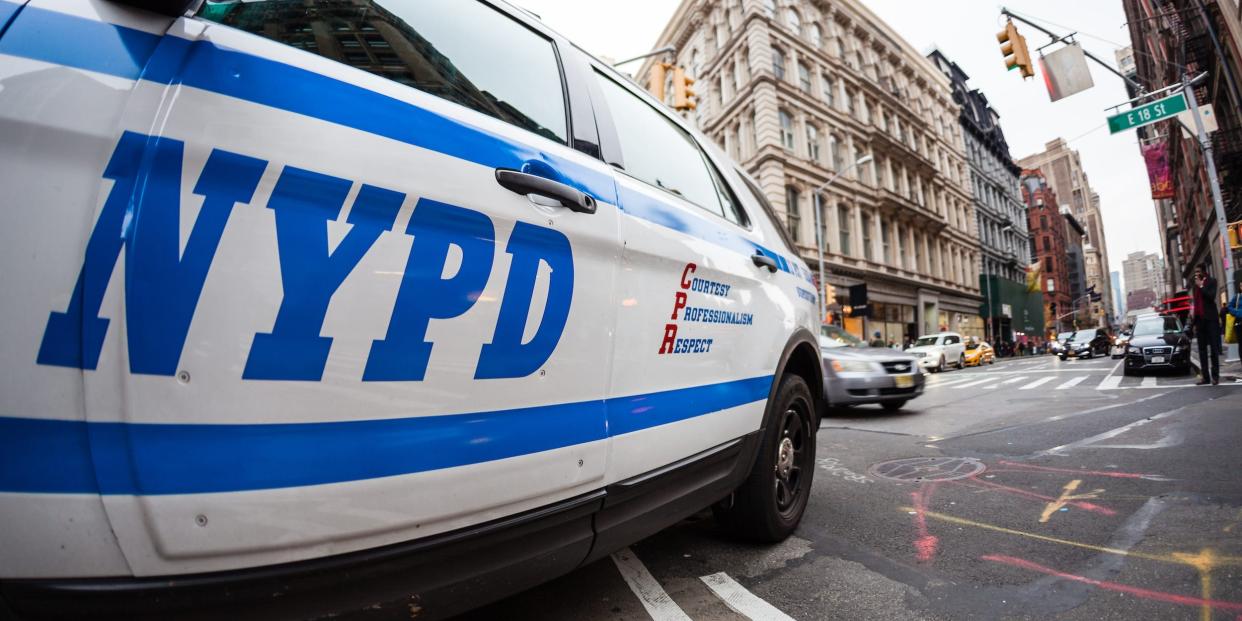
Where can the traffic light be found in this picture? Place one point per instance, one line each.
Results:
(1013, 48)
(659, 74)
(682, 93)
(1052, 307)
(1235, 235)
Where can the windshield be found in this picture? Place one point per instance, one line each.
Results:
(1156, 326)
(831, 337)
(972, 346)
(924, 341)
(1064, 336)
(1082, 336)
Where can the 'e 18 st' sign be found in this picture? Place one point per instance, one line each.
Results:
(1147, 113)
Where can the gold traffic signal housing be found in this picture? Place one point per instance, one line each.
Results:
(1013, 48)
(1235, 235)
(682, 93)
(659, 74)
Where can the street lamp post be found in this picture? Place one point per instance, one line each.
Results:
(819, 229)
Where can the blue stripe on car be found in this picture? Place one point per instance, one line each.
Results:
(76, 457)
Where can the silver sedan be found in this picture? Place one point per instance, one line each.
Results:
(856, 374)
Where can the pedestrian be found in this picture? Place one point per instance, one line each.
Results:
(877, 340)
(1206, 322)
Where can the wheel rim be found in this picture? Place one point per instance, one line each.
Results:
(789, 455)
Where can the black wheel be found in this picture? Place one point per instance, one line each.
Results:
(769, 504)
(893, 406)
(961, 361)
(1126, 372)
(940, 367)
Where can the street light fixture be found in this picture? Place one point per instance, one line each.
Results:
(819, 230)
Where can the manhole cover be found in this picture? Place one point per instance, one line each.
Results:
(927, 469)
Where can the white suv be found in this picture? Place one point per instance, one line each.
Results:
(318, 306)
(936, 351)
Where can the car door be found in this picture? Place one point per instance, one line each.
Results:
(390, 315)
(700, 319)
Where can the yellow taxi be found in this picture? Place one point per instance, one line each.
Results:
(979, 353)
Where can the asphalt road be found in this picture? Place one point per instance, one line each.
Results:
(1039, 489)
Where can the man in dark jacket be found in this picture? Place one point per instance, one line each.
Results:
(1205, 317)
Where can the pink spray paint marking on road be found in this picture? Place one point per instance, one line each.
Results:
(1160, 596)
(925, 543)
(1081, 504)
(1098, 473)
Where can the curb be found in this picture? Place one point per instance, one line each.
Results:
(1194, 363)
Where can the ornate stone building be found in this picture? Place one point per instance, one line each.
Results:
(1009, 311)
(795, 90)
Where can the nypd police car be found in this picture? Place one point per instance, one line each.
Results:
(325, 306)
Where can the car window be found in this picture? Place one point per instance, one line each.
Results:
(462, 51)
(659, 152)
(952, 340)
(925, 341)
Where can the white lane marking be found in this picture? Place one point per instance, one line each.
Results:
(1113, 381)
(1149, 382)
(1072, 383)
(741, 601)
(932, 383)
(976, 383)
(1009, 381)
(1060, 450)
(1037, 383)
(659, 605)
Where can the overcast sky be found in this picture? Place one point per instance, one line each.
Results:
(968, 37)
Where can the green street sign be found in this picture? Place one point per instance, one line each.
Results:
(1147, 113)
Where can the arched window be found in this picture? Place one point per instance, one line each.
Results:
(787, 132)
(793, 20)
(816, 35)
(769, 7)
(778, 63)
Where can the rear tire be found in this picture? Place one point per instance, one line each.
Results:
(893, 406)
(770, 503)
(940, 367)
(961, 361)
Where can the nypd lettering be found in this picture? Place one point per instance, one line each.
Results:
(141, 216)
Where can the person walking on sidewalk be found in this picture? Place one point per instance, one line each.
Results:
(1205, 318)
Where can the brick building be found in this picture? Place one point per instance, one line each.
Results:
(1048, 246)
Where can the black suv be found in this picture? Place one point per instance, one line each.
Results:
(1158, 343)
(1086, 344)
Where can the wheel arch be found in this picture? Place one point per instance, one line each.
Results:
(800, 357)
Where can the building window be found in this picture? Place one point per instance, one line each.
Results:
(769, 8)
(804, 78)
(778, 64)
(827, 86)
(1047, 244)
(1043, 222)
(792, 215)
(844, 225)
(787, 132)
(793, 20)
(866, 236)
(847, 101)
(838, 153)
(816, 35)
(812, 142)
(884, 241)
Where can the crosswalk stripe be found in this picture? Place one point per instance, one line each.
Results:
(1072, 383)
(1009, 381)
(951, 382)
(1149, 382)
(1037, 383)
(659, 605)
(1110, 382)
(976, 383)
(741, 601)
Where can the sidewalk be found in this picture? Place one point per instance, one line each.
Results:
(1230, 368)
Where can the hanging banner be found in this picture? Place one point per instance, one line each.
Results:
(1158, 172)
(1033, 276)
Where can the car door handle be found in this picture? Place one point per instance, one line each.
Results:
(763, 260)
(524, 183)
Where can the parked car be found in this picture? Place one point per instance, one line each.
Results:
(1087, 344)
(1057, 346)
(1120, 341)
(293, 329)
(935, 351)
(1158, 342)
(979, 353)
(856, 374)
